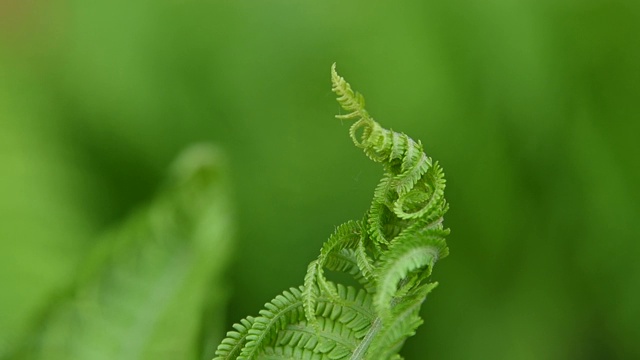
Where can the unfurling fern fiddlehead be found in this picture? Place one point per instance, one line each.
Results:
(390, 252)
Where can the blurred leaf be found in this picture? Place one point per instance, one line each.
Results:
(151, 289)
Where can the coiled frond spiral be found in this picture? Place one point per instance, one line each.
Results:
(390, 252)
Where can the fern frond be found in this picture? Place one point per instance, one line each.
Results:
(290, 353)
(391, 253)
(354, 311)
(281, 311)
(408, 254)
(423, 199)
(338, 339)
(351, 261)
(401, 325)
(346, 235)
(283, 324)
(348, 99)
(232, 345)
(311, 292)
(365, 263)
(414, 164)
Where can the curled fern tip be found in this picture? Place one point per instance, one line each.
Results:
(390, 253)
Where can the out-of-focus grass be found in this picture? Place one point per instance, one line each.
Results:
(532, 107)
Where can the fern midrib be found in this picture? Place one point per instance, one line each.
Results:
(375, 329)
(362, 348)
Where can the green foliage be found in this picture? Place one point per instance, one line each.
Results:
(390, 252)
(144, 291)
(532, 106)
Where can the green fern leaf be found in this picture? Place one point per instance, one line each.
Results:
(281, 311)
(409, 253)
(232, 345)
(355, 263)
(346, 235)
(350, 100)
(391, 253)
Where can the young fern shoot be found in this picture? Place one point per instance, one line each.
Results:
(390, 252)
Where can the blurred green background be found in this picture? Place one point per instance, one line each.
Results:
(531, 106)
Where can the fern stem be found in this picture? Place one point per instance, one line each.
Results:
(362, 348)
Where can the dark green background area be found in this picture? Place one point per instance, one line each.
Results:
(532, 107)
